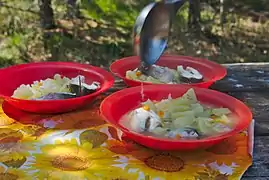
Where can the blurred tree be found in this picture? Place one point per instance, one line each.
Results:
(194, 14)
(46, 14)
(73, 9)
(223, 13)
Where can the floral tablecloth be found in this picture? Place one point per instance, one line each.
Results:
(80, 145)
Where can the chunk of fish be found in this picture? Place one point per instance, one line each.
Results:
(189, 75)
(164, 74)
(80, 88)
(142, 120)
(56, 96)
(189, 133)
(83, 89)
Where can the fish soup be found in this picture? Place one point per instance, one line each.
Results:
(180, 118)
(56, 88)
(164, 75)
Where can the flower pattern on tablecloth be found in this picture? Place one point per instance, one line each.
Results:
(12, 174)
(69, 159)
(80, 145)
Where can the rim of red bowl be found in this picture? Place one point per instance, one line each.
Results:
(108, 78)
(138, 89)
(218, 75)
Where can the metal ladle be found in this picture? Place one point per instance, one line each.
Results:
(152, 29)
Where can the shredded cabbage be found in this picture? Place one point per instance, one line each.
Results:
(187, 112)
(177, 74)
(43, 87)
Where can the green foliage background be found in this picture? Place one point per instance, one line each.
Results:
(104, 33)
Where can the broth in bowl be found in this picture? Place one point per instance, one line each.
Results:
(169, 69)
(180, 118)
(56, 88)
(159, 74)
(212, 115)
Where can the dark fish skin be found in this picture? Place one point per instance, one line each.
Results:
(190, 130)
(166, 76)
(84, 91)
(56, 96)
(190, 80)
(161, 73)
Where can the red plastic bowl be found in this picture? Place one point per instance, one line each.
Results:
(12, 77)
(121, 102)
(211, 71)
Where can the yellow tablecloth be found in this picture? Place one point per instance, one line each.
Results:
(80, 145)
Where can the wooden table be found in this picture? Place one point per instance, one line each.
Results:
(26, 133)
(249, 82)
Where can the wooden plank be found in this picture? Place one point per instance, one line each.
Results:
(260, 167)
(255, 178)
(259, 64)
(258, 102)
(244, 78)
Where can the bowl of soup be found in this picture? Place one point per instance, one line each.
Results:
(171, 69)
(175, 117)
(52, 87)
